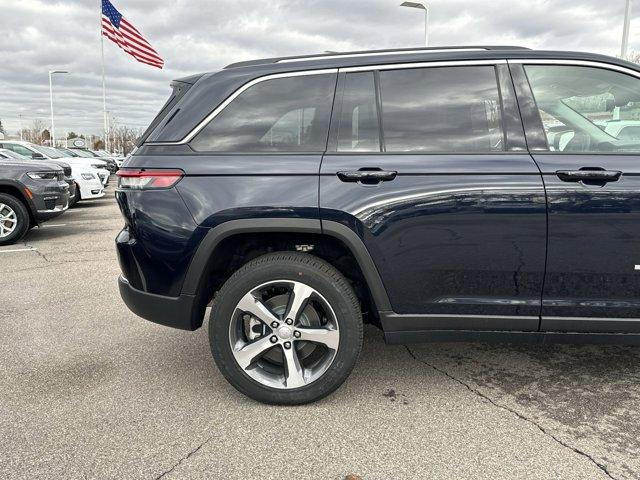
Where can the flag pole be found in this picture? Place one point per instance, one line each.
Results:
(104, 87)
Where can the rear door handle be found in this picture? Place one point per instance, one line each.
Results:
(368, 176)
(581, 175)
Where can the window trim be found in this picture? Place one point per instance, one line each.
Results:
(463, 63)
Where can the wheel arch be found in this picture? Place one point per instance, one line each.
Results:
(201, 267)
(13, 189)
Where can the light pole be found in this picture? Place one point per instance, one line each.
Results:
(625, 30)
(421, 6)
(52, 136)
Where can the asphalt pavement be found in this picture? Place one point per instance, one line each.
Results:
(89, 390)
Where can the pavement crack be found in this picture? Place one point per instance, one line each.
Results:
(184, 459)
(36, 251)
(519, 415)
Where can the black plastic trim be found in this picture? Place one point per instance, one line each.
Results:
(361, 254)
(177, 312)
(197, 267)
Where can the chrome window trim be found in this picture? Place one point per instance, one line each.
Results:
(578, 63)
(377, 54)
(237, 93)
(394, 66)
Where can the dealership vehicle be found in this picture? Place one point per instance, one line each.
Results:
(104, 168)
(118, 157)
(30, 193)
(109, 163)
(66, 168)
(88, 180)
(413, 189)
(624, 129)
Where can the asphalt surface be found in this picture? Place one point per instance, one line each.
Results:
(89, 390)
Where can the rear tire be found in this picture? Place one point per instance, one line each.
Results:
(286, 328)
(14, 219)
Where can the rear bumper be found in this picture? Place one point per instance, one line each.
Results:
(177, 312)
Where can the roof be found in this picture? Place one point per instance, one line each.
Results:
(372, 53)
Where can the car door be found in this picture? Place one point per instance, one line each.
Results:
(429, 167)
(592, 181)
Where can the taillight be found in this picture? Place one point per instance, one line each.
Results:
(148, 179)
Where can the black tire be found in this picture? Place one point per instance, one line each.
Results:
(73, 200)
(22, 218)
(299, 267)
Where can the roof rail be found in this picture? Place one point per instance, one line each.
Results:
(367, 53)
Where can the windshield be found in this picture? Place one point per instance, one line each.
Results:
(47, 151)
(84, 154)
(66, 151)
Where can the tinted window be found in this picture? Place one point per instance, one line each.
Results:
(19, 149)
(359, 129)
(280, 115)
(450, 109)
(582, 108)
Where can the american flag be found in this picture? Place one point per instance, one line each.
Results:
(127, 37)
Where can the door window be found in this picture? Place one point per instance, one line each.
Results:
(359, 129)
(280, 115)
(587, 109)
(441, 109)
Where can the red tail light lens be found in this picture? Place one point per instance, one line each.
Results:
(148, 179)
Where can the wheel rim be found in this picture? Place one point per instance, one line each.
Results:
(284, 334)
(8, 220)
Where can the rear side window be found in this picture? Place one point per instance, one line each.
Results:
(441, 109)
(359, 129)
(280, 115)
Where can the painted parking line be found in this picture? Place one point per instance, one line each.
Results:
(54, 225)
(18, 250)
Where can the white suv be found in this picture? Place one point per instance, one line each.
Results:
(88, 180)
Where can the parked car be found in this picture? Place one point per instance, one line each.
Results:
(86, 178)
(110, 163)
(415, 190)
(30, 193)
(624, 129)
(103, 167)
(66, 168)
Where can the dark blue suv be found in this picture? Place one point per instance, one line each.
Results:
(442, 194)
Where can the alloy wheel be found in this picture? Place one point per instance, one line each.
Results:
(8, 220)
(284, 334)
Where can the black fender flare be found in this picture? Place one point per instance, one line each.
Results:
(196, 272)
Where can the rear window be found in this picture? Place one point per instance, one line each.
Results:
(441, 109)
(280, 115)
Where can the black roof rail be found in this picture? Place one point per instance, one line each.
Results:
(360, 53)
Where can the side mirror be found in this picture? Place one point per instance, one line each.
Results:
(37, 155)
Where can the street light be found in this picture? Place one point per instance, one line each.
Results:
(425, 7)
(625, 30)
(53, 134)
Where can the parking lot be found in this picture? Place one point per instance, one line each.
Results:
(89, 390)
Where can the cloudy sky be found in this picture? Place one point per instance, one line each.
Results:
(204, 35)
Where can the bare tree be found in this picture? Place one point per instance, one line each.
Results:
(36, 132)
